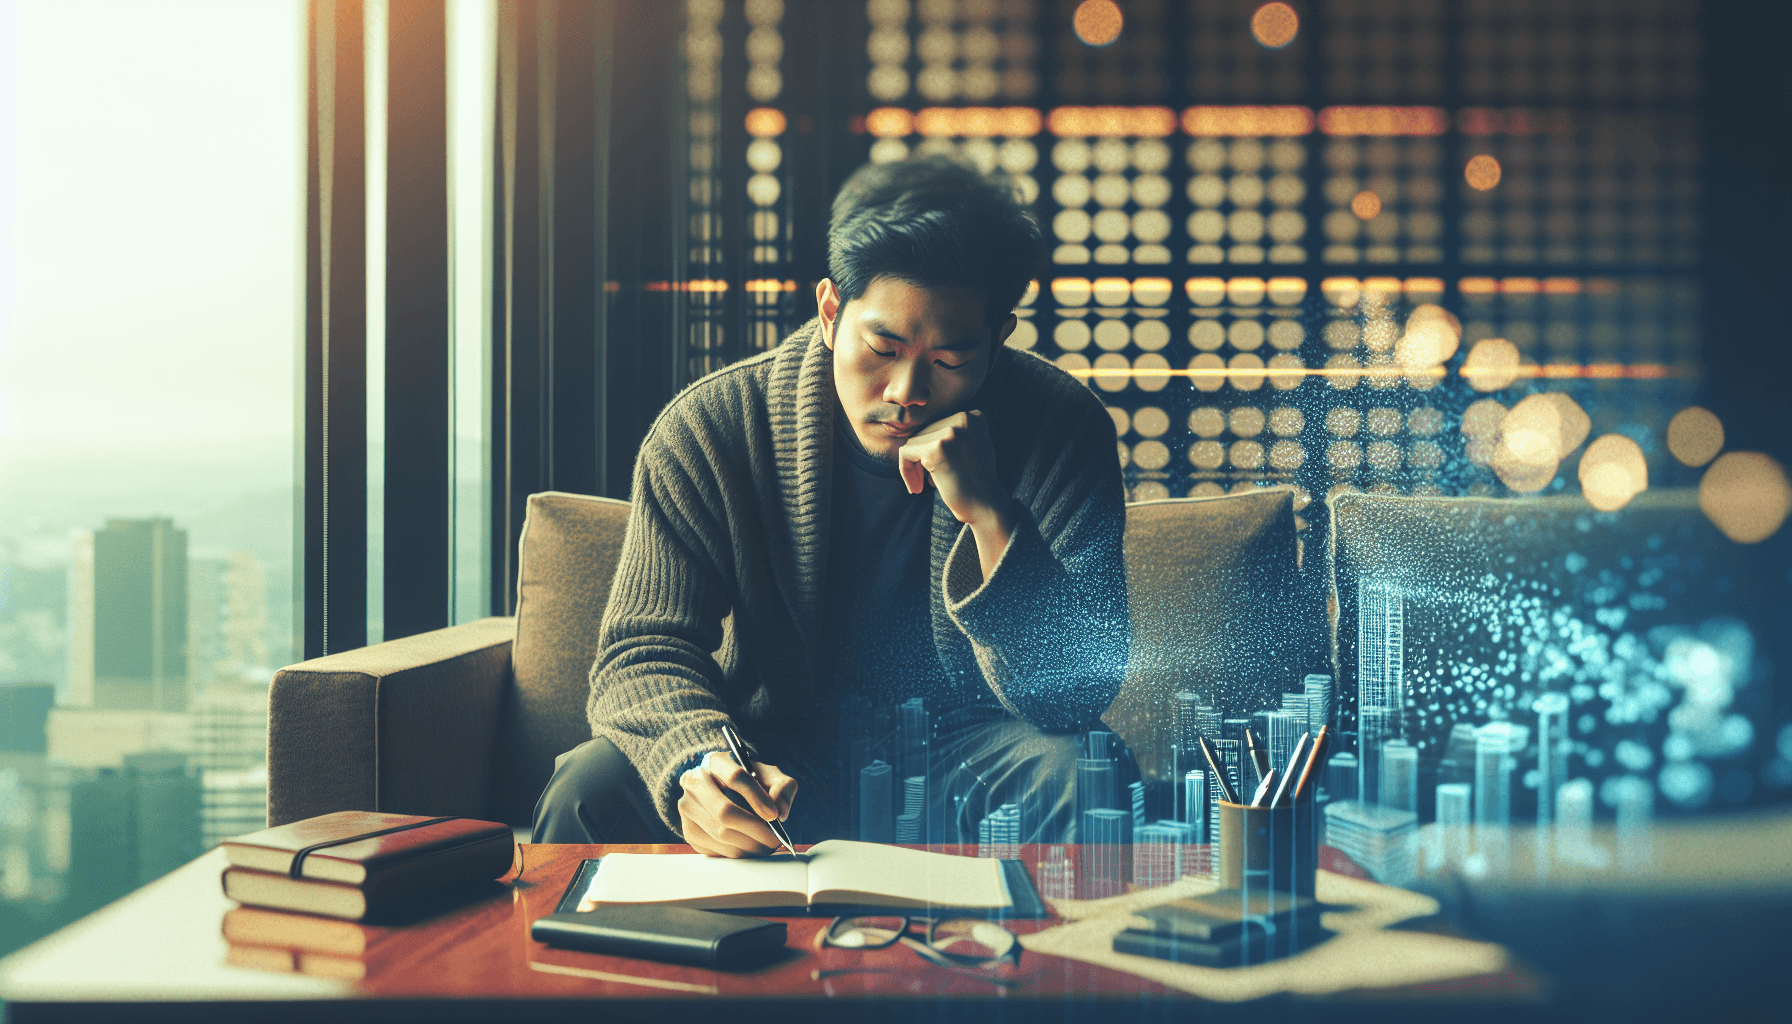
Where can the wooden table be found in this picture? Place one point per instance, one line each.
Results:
(159, 954)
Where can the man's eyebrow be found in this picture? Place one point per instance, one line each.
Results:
(967, 343)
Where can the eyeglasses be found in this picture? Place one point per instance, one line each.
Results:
(954, 943)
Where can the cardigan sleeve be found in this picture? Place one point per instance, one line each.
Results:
(656, 691)
(1050, 627)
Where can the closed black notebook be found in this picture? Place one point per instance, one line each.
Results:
(679, 935)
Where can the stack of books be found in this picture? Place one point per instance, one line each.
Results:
(353, 864)
(1223, 929)
(1384, 841)
(274, 940)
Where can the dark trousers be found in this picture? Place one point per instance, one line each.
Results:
(980, 759)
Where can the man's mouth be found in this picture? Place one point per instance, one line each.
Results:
(898, 430)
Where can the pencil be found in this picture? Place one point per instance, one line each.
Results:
(1314, 756)
(1219, 776)
(1288, 773)
(1263, 788)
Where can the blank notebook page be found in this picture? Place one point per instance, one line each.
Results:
(667, 877)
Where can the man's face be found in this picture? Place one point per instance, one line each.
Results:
(905, 356)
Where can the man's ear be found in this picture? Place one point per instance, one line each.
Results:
(827, 303)
(1006, 329)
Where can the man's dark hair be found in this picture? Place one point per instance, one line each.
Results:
(934, 222)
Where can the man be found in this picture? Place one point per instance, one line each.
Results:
(891, 505)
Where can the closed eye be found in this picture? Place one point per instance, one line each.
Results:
(950, 366)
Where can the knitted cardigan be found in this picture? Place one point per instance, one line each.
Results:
(716, 608)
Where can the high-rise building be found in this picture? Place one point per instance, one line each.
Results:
(1057, 876)
(917, 738)
(1188, 728)
(1197, 806)
(1380, 648)
(914, 811)
(131, 826)
(1285, 728)
(78, 692)
(1633, 797)
(877, 815)
(1230, 754)
(140, 615)
(230, 727)
(25, 716)
(1453, 822)
(998, 834)
(1493, 794)
(1135, 799)
(1400, 776)
(1318, 688)
(1097, 786)
(1375, 727)
(1574, 826)
(1103, 830)
(232, 803)
(1160, 853)
(1553, 745)
(1381, 840)
(1341, 776)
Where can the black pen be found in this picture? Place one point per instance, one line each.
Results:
(1213, 765)
(1259, 756)
(736, 750)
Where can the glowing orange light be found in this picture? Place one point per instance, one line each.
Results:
(686, 286)
(1383, 121)
(1482, 172)
(1275, 25)
(888, 122)
(770, 285)
(1144, 122)
(1366, 205)
(976, 122)
(1097, 22)
(1260, 121)
(765, 122)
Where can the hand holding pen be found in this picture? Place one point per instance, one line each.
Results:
(733, 806)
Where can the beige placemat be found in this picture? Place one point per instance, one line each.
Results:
(1364, 954)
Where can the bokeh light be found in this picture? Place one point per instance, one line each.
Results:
(1612, 472)
(1492, 364)
(1097, 22)
(1431, 338)
(1482, 172)
(1366, 205)
(1695, 435)
(1275, 25)
(1746, 495)
(765, 122)
(1535, 437)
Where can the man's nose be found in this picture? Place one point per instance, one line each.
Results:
(907, 384)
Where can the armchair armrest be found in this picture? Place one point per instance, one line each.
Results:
(404, 726)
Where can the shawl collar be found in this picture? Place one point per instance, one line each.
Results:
(802, 421)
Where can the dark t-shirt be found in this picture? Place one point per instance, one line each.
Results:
(877, 628)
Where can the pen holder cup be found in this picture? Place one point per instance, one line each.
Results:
(1274, 851)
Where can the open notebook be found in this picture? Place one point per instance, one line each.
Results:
(832, 872)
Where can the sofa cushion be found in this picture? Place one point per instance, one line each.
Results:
(1219, 607)
(567, 558)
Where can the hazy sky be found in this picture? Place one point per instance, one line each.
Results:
(151, 196)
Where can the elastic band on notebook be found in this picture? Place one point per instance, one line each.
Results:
(298, 859)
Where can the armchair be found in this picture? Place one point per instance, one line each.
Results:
(468, 720)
